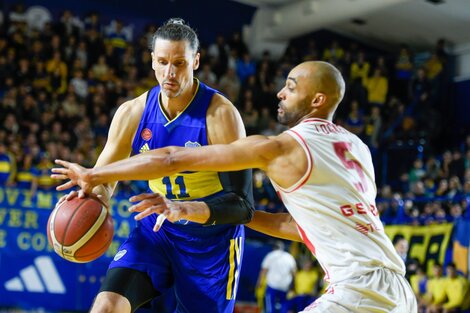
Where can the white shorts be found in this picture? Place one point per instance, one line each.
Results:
(379, 291)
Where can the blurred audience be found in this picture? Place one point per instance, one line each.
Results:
(60, 86)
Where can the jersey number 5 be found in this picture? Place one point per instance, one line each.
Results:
(179, 180)
(340, 149)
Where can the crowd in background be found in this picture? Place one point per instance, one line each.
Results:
(60, 86)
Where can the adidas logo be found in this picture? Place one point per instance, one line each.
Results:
(39, 277)
(144, 148)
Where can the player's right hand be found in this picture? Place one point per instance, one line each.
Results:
(76, 174)
(67, 197)
(81, 194)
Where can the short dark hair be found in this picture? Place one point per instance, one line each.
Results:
(398, 238)
(175, 29)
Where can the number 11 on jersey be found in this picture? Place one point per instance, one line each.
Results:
(179, 180)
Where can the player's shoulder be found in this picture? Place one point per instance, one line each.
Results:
(221, 106)
(224, 123)
(219, 103)
(132, 108)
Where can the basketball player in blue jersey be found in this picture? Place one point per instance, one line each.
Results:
(200, 258)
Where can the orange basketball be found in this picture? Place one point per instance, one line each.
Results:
(80, 230)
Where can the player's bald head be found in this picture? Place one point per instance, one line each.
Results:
(322, 77)
(313, 89)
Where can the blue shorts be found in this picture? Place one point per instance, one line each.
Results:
(202, 263)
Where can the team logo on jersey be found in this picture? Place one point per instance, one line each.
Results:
(120, 254)
(192, 144)
(144, 148)
(146, 134)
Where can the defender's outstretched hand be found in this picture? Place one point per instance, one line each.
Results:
(151, 203)
(77, 175)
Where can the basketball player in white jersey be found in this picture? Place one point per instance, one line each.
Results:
(325, 177)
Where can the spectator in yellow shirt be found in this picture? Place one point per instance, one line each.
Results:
(360, 68)
(334, 53)
(306, 287)
(57, 71)
(306, 279)
(377, 87)
(433, 67)
(456, 290)
(435, 290)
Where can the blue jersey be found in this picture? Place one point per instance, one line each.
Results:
(25, 177)
(7, 168)
(188, 129)
(201, 262)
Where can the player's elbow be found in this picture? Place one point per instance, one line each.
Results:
(247, 212)
(170, 160)
(290, 231)
(243, 210)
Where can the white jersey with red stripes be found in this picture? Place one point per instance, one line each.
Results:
(334, 203)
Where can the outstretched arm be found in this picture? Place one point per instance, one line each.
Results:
(250, 152)
(280, 225)
(282, 157)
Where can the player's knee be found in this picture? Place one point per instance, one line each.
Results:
(110, 302)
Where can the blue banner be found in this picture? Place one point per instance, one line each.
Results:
(32, 275)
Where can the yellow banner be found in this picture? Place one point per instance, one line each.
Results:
(428, 244)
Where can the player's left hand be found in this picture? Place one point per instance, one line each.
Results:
(154, 203)
(77, 175)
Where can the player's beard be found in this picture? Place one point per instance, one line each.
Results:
(291, 117)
